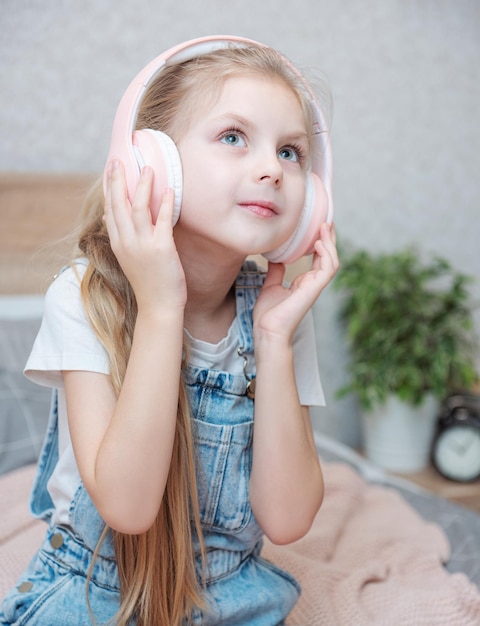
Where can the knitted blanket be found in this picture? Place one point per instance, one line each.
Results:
(370, 560)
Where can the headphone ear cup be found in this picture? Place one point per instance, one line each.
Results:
(155, 148)
(314, 213)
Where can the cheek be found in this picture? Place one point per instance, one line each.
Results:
(204, 182)
(196, 185)
(198, 197)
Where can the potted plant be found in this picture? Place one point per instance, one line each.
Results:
(409, 328)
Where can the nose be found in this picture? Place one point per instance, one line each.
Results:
(268, 168)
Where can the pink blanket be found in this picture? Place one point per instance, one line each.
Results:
(370, 560)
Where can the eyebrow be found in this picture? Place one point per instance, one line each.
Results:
(235, 118)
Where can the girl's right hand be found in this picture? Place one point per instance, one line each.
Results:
(145, 251)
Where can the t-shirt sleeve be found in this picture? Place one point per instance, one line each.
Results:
(307, 376)
(66, 340)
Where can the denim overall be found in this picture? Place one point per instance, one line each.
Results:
(243, 589)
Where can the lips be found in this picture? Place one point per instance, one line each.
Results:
(260, 208)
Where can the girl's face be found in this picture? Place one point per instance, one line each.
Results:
(244, 168)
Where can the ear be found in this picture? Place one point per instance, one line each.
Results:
(314, 213)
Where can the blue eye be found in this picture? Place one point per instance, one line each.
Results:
(290, 154)
(232, 138)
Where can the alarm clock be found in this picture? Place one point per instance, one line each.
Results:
(456, 444)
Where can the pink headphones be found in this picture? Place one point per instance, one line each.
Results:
(137, 148)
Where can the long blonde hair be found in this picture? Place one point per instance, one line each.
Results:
(159, 581)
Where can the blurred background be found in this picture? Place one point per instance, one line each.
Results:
(405, 82)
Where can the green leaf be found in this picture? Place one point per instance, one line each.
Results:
(408, 324)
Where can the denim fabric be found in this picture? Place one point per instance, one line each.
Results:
(52, 591)
(242, 588)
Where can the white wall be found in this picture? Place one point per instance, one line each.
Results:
(406, 135)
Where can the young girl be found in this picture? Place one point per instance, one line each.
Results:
(179, 433)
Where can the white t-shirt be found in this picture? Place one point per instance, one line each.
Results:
(66, 341)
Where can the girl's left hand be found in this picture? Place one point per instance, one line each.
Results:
(279, 309)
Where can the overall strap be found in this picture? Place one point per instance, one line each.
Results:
(41, 504)
(247, 289)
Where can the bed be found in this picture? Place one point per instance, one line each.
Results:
(381, 550)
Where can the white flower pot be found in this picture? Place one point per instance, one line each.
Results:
(398, 436)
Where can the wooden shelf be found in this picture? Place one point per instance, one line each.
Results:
(37, 211)
(467, 494)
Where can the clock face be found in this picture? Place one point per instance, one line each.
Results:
(456, 453)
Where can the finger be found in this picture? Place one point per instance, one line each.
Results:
(328, 239)
(333, 246)
(141, 214)
(122, 224)
(108, 217)
(326, 256)
(333, 232)
(120, 207)
(163, 228)
(118, 185)
(165, 213)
